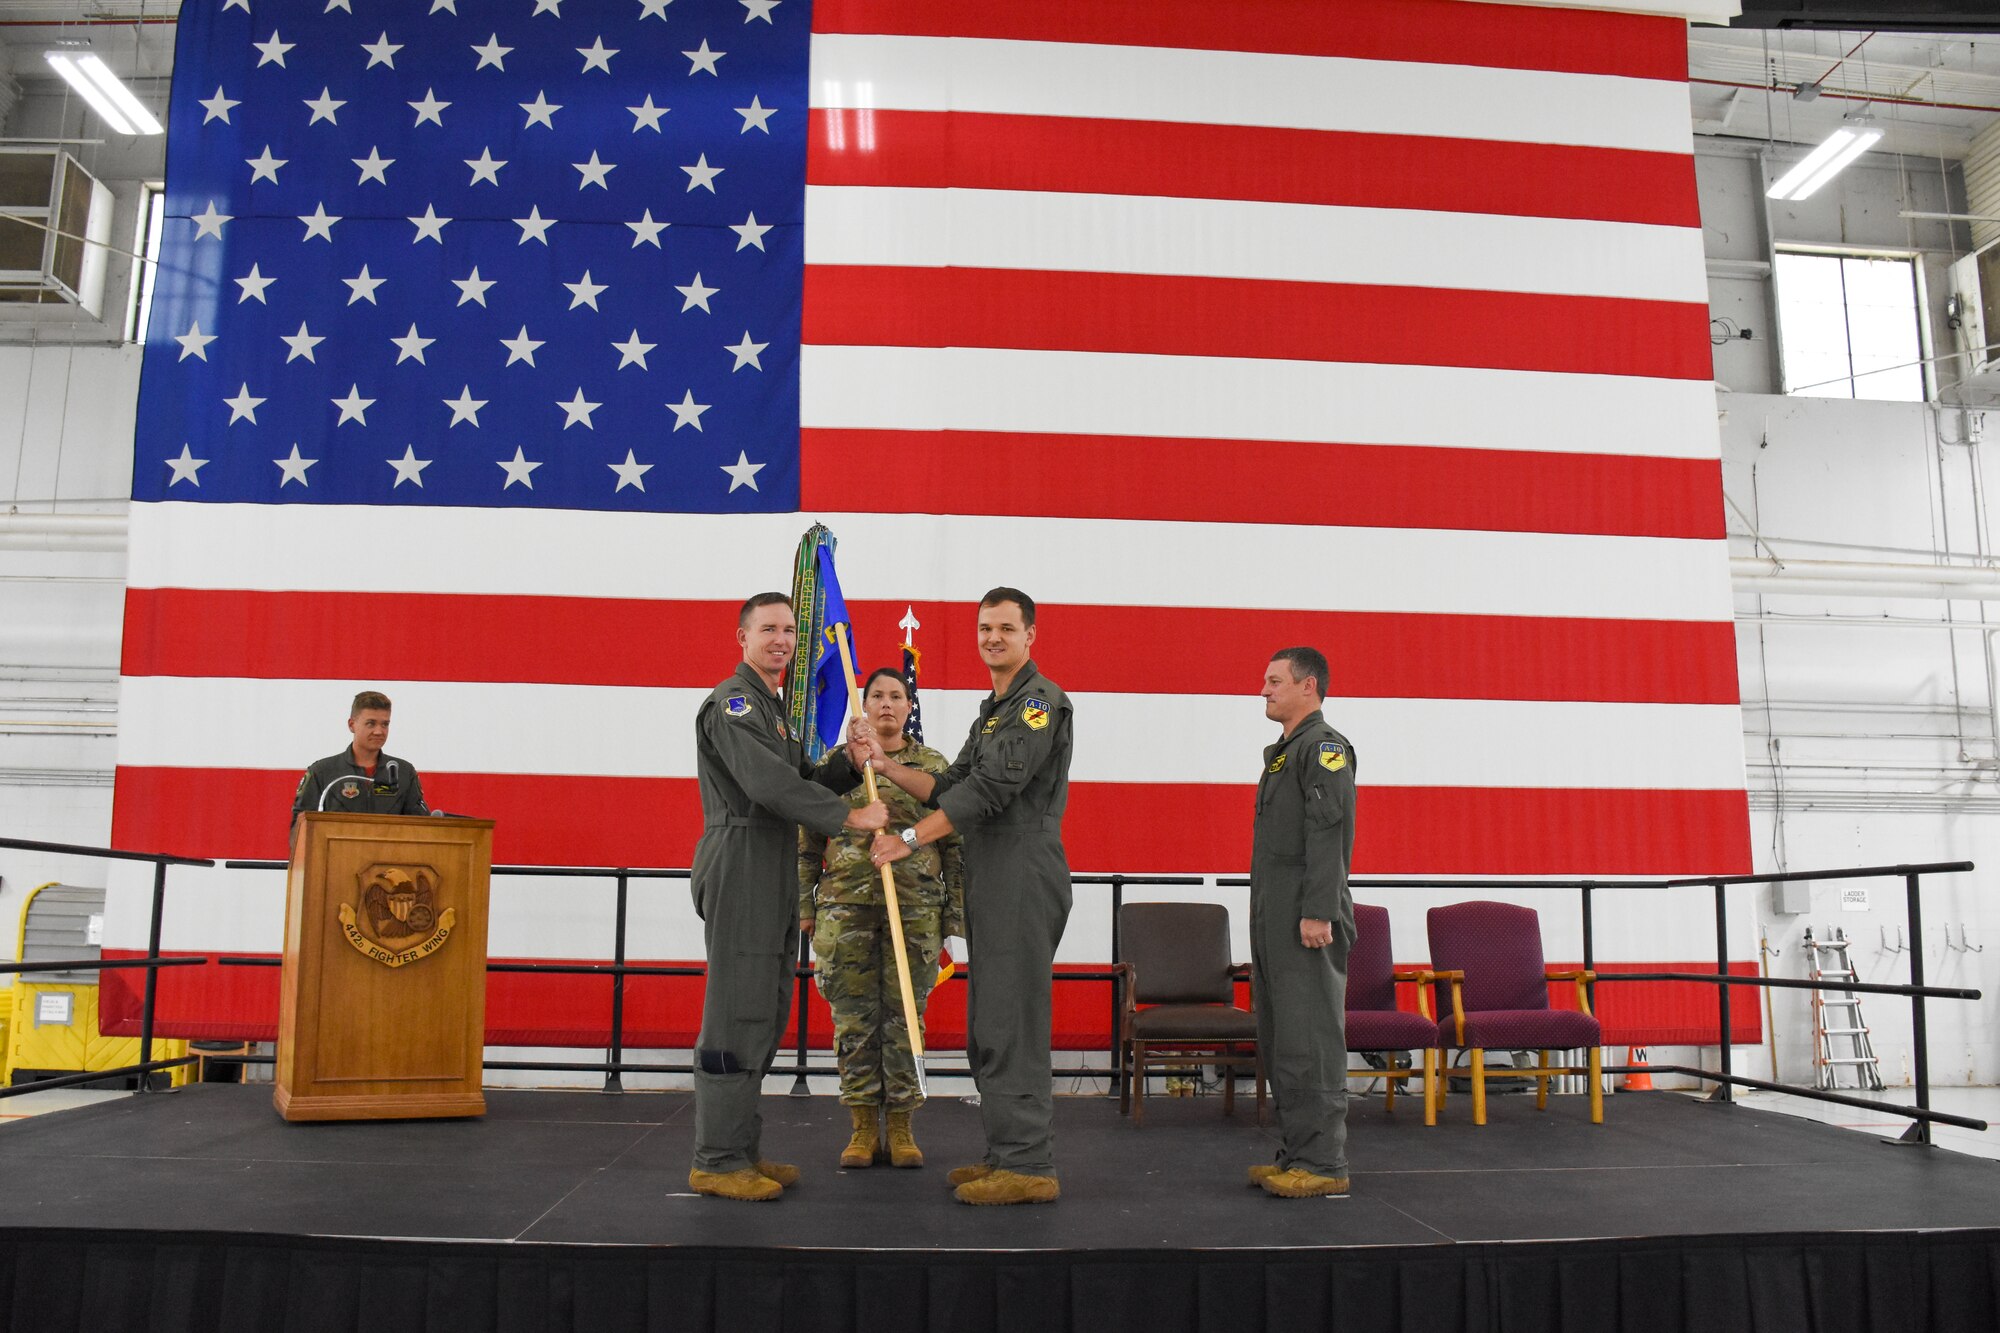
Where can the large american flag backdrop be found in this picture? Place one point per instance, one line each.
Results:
(499, 351)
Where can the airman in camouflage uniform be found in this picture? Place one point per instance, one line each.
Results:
(840, 895)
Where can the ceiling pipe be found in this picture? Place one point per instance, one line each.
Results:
(1857, 578)
(62, 532)
(1886, 99)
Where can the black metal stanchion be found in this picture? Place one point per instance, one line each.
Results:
(1117, 986)
(145, 1082)
(1919, 1132)
(799, 1088)
(613, 1081)
(1589, 941)
(1722, 1091)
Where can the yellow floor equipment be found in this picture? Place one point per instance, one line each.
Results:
(53, 1026)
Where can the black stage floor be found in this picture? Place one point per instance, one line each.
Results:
(1734, 1209)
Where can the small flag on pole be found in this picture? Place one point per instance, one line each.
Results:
(909, 624)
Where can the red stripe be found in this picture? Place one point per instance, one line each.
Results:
(1437, 31)
(876, 306)
(1266, 481)
(1132, 827)
(241, 1003)
(1063, 154)
(602, 641)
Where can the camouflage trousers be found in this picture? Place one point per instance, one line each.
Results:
(857, 975)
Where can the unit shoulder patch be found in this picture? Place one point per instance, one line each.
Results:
(1332, 756)
(1035, 712)
(737, 705)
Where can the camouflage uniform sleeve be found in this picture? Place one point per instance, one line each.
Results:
(812, 857)
(812, 843)
(951, 859)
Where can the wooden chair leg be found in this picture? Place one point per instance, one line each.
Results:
(1138, 1083)
(1596, 1085)
(1389, 1088)
(1478, 1086)
(1542, 1084)
(1124, 1078)
(1430, 1092)
(1227, 1069)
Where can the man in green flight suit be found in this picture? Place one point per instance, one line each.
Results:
(1301, 928)
(1005, 792)
(756, 791)
(361, 779)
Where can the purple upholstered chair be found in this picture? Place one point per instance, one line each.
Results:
(1490, 955)
(1374, 1023)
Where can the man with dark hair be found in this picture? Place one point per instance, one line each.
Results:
(1302, 926)
(361, 779)
(756, 792)
(1005, 793)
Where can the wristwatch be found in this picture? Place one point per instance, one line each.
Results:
(909, 836)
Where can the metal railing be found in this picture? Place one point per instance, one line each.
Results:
(615, 1066)
(1921, 1115)
(147, 1066)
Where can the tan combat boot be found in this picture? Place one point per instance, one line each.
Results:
(860, 1150)
(1001, 1187)
(1299, 1183)
(965, 1175)
(903, 1149)
(1263, 1172)
(784, 1173)
(746, 1185)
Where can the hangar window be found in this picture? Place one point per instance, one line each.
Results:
(1851, 326)
(152, 217)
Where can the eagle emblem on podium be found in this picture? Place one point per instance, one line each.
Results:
(398, 921)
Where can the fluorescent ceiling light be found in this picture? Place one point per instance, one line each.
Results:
(107, 96)
(1825, 162)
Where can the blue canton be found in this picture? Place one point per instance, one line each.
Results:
(546, 253)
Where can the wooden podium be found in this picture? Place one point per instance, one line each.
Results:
(382, 1014)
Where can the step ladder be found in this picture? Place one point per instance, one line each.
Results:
(1837, 1023)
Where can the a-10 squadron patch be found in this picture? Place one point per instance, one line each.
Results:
(1332, 756)
(1035, 713)
(737, 705)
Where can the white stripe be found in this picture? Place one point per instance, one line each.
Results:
(622, 731)
(1209, 397)
(1233, 238)
(920, 557)
(1248, 88)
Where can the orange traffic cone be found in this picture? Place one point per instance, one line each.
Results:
(1638, 1080)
